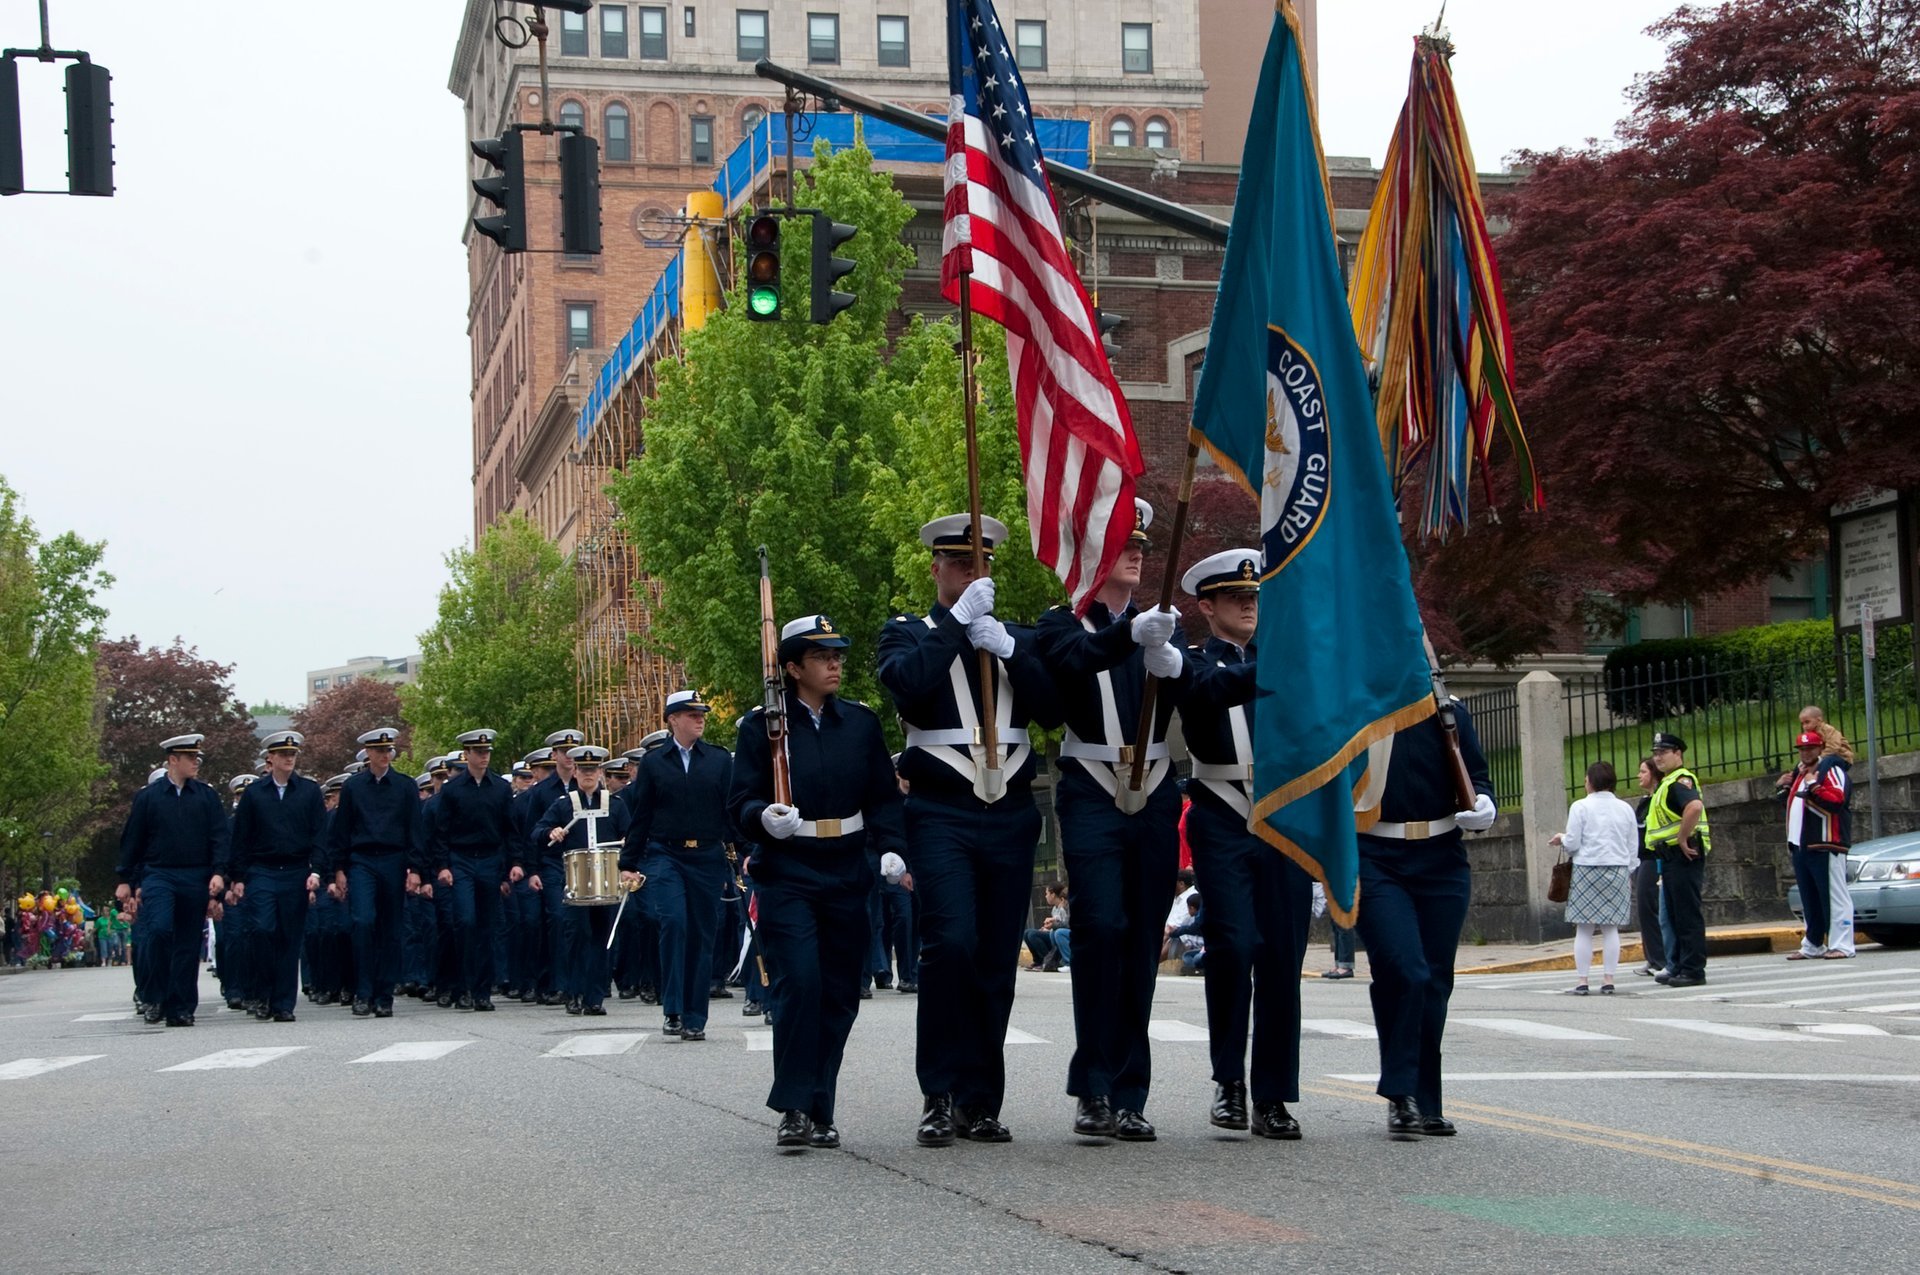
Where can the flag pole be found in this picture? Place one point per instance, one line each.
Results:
(989, 783)
(1144, 735)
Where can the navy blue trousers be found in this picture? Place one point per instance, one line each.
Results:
(973, 871)
(1413, 903)
(683, 889)
(813, 927)
(1120, 878)
(900, 931)
(174, 903)
(1258, 907)
(277, 907)
(233, 950)
(421, 934)
(476, 915)
(523, 948)
(149, 987)
(1683, 881)
(556, 970)
(376, 895)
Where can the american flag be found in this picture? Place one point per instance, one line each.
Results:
(1003, 230)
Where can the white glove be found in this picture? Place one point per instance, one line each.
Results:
(989, 635)
(1480, 818)
(975, 602)
(1153, 628)
(1164, 661)
(892, 867)
(781, 820)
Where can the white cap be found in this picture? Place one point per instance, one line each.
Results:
(1230, 570)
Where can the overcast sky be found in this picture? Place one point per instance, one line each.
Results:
(248, 370)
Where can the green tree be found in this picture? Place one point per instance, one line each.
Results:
(501, 653)
(50, 619)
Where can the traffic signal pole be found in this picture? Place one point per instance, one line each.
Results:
(89, 120)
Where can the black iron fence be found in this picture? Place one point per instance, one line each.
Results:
(1496, 720)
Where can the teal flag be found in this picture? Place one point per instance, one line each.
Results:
(1283, 405)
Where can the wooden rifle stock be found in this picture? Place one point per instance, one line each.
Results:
(1143, 733)
(773, 688)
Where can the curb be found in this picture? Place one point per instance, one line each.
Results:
(1737, 940)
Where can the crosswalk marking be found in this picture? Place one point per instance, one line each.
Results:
(1344, 1028)
(759, 1040)
(1862, 978)
(1017, 1037)
(1732, 1031)
(1174, 1029)
(1810, 1077)
(1843, 1029)
(1530, 1029)
(596, 1046)
(1802, 1001)
(227, 1059)
(1908, 1008)
(116, 1016)
(413, 1051)
(22, 1068)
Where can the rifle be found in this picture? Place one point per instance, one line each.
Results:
(1464, 793)
(773, 687)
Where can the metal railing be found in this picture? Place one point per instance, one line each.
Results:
(1496, 720)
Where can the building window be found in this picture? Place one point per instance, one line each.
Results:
(750, 119)
(1136, 47)
(573, 35)
(893, 42)
(579, 326)
(1120, 132)
(702, 139)
(750, 34)
(613, 30)
(1030, 45)
(619, 137)
(1158, 134)
(653, 33)
(573, 113)
(319, 683)
(686, 22)
(823, 37)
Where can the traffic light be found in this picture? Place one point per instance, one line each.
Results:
(13, 172)
(828, 269)
(507, 192)
(579, 193)
(89, 130)
(763, 268)
(1107, 321)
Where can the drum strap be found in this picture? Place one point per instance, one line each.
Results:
(592, 814)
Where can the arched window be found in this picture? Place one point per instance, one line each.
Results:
(1120, 132)
(1159, 136)
(619, 139)
(573, 113)
(750, 118)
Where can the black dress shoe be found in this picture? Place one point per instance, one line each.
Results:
(153, 1016)
(484, 1006)
(649, 996)
(428, 993)
(628, 993)
(361, 1009)
(866, 993)
(978, 1126)
(262, 1013)
(1229, 1105)
(795, 1129)
(824, 1138)
(1403, 1120)
(179, 1020)
(283, 1016)
(908, 989)
(752, 1009)
(1272, 1120)
(936, 1123)
(576, 1007)
(883, 981)
(409, 989)
(671, 1027)
(720, 994)
(383, 1010)
(444, 1000)
(1686, 980)
(1132, 1126)
(465, 1001)
(1093, 1118)
(1436, 1126)
(595, 1011)
(1663, 978)
(234, 1002)
(694, 1033)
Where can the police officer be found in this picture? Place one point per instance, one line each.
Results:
(377, 848)
(1678, 831)
(473, 830)
(1121, 849)
(1258, 902)
(175, 847)
(676, 835)
(584, 817)
(973, 831)
(1415, 885)
(811, 868)
(277, 852)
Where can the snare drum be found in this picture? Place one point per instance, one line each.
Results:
(593, 876)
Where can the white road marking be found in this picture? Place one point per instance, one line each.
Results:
(22, 1068)
(759, 1040)
(1345, 1028)
(1017, 1037)
(1174, 1029)
(1778, 987)
(1887, 1009)
(1732, 1031)
(1843, 1029)
(1530, 1029)
(1821, 1077)
(413, 1051)
(1800, 1001)
(116, 1016)
(228, 1059)
(596, 1046)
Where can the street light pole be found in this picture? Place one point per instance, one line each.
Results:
(46, 859)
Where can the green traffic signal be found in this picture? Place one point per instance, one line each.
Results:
(763, 268)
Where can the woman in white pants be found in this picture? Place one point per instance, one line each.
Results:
(1602, 839)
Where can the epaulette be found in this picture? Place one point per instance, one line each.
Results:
(906, 617)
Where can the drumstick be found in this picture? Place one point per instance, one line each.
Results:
(622, 908)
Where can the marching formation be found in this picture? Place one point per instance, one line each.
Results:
(585, 871)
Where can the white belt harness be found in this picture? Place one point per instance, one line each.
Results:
(1102, 760)
(1232, 782)
(832, 827)
(948, 744)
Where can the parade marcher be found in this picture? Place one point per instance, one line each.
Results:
(1819, 833)
(473, 835)
(1259, 903)
(175, 848)
(676, 835)
(233, 930)
(811, 870)
(583, 817)
(1121, 850)
(1415, 884)
(546, 879)
(376, 847)
(277, 854)
(1677, 828)
(972, 832)
(427, 953)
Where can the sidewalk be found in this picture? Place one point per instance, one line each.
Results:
(1520, 958)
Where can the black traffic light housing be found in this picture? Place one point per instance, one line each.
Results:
(828, 269)
(507, 192)
(89, 124)
(1107, 321)
(579, 194)
(763, 268)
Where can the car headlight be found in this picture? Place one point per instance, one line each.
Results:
(1875, 871)
(1885, 871)
(1905, 872)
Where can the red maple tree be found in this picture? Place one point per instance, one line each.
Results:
(334, 720)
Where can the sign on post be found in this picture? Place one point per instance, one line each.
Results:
(1872, 560)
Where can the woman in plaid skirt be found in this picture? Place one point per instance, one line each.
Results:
(1602, 839)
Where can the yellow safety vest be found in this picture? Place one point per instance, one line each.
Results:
(1663, 822)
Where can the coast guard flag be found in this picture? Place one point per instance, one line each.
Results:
(1283, 406)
